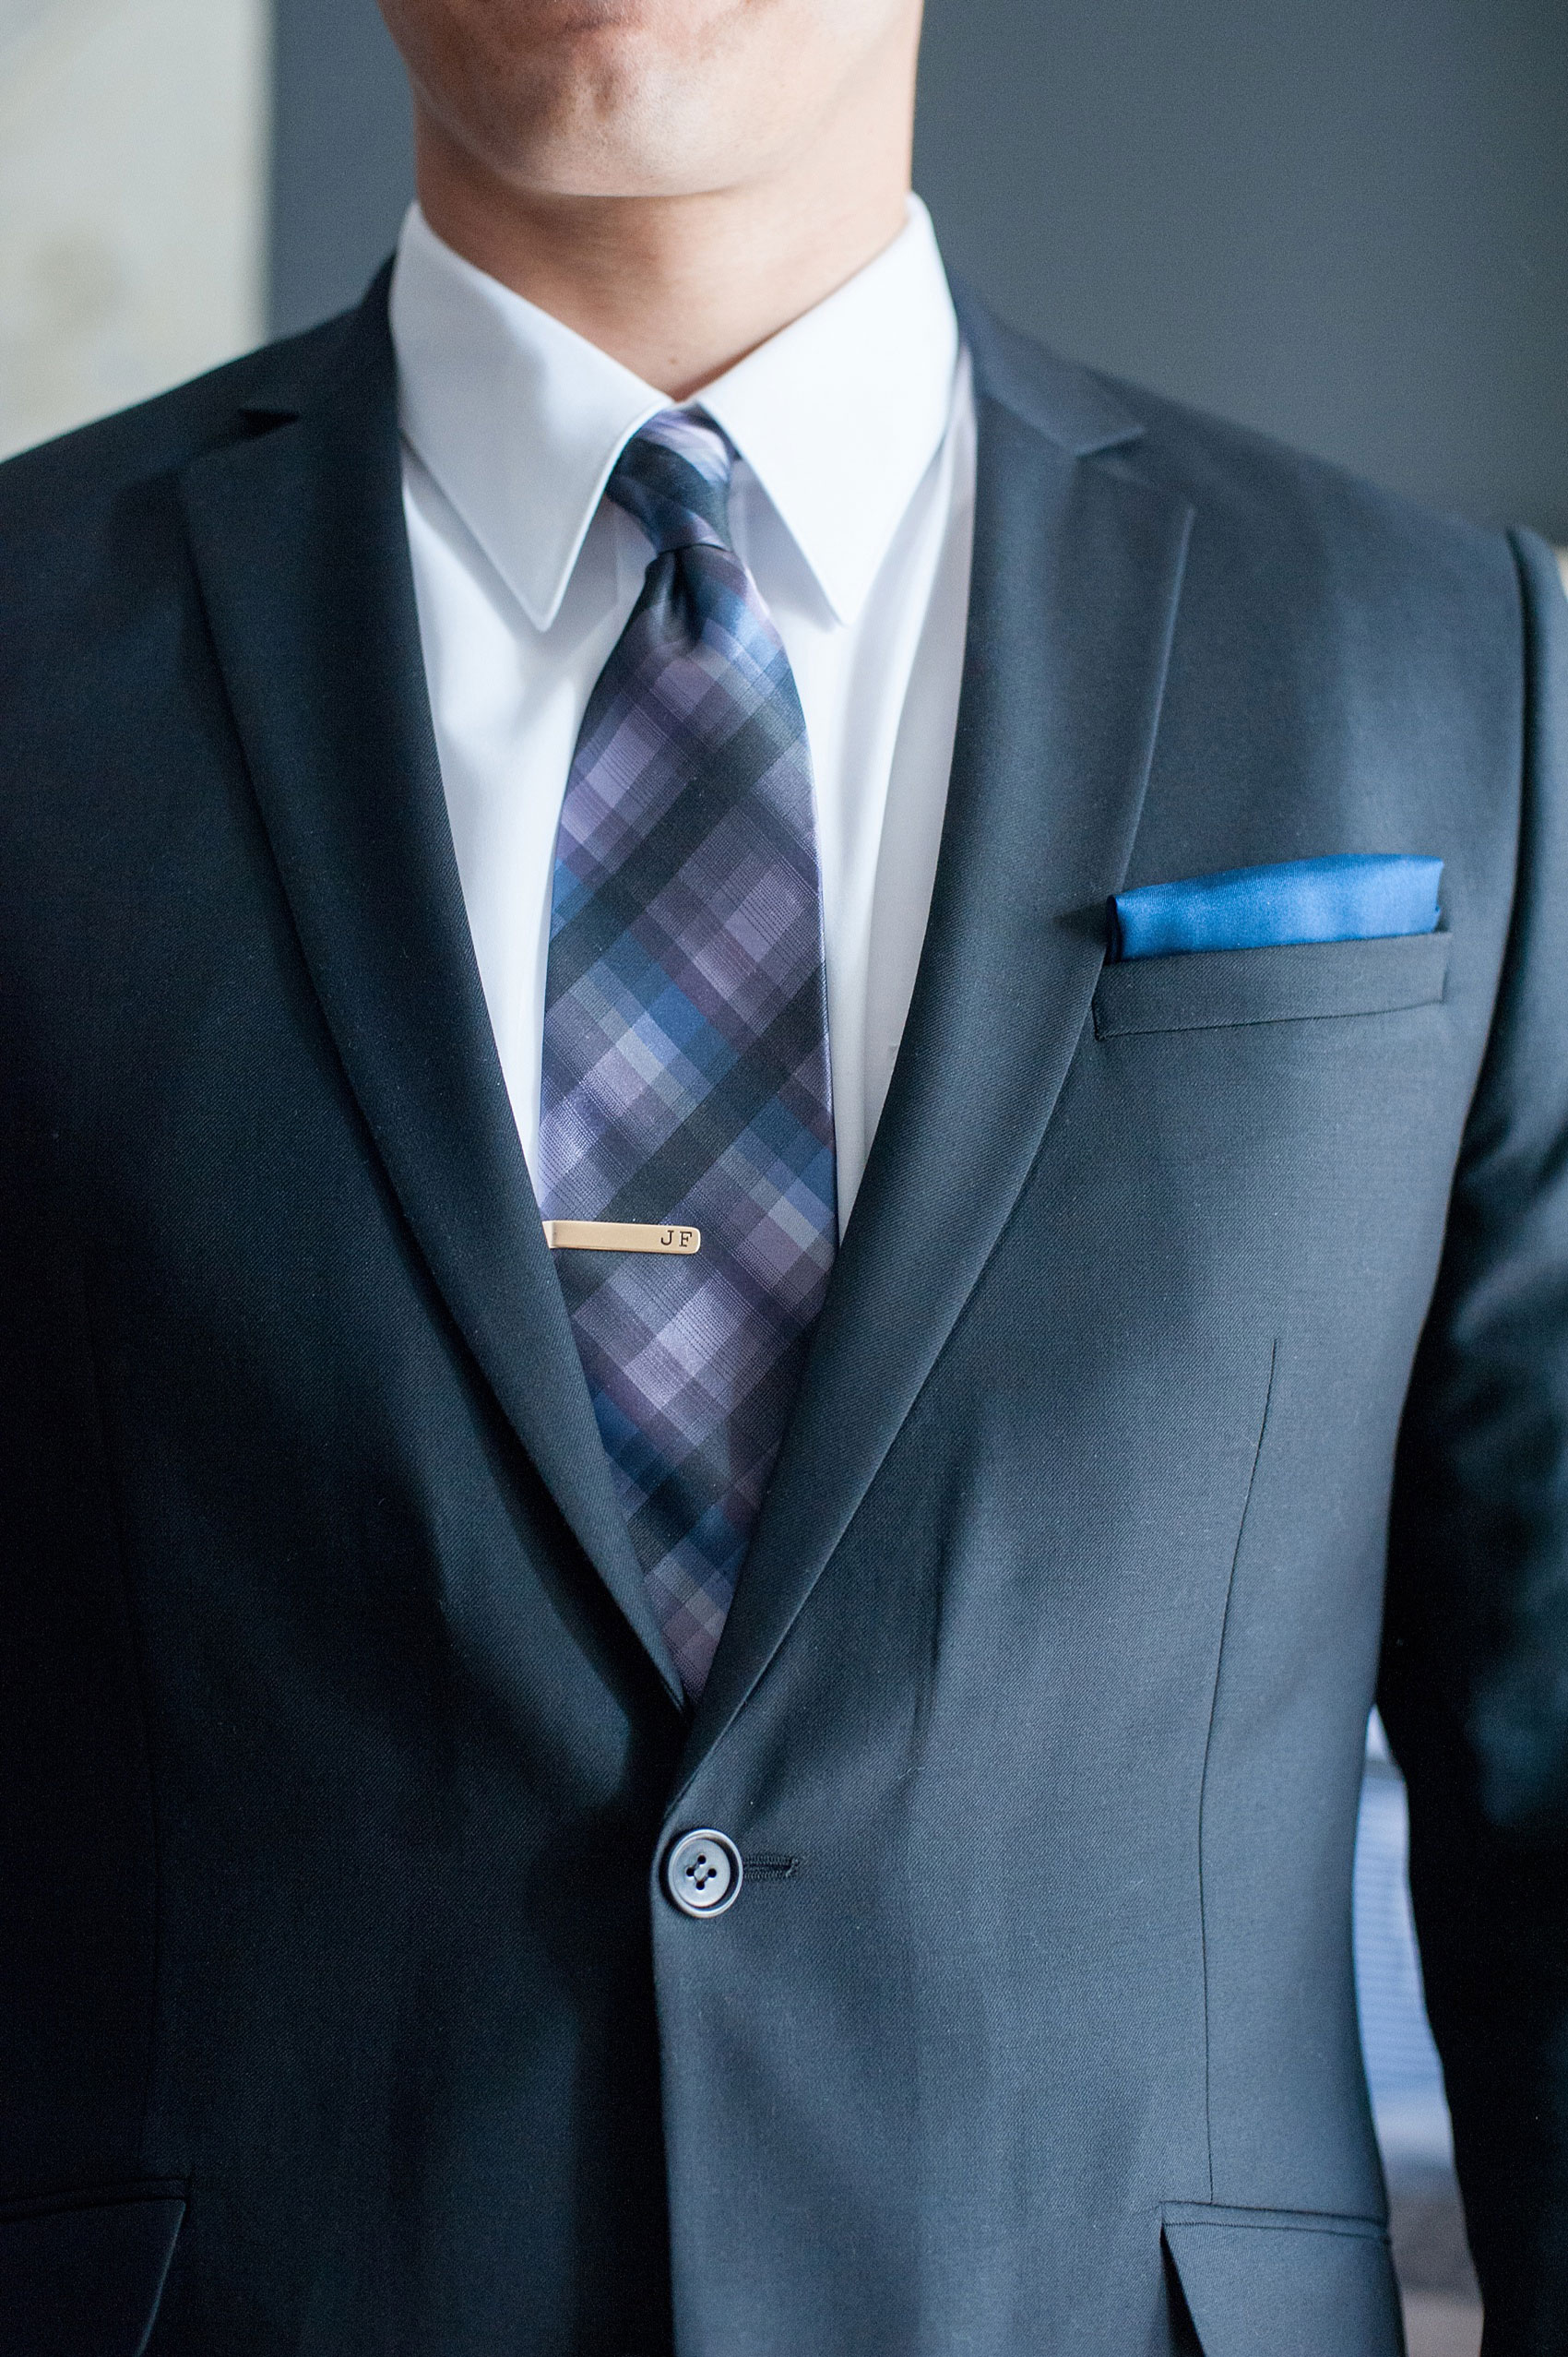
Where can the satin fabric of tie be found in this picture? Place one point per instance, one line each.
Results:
(685, 1067)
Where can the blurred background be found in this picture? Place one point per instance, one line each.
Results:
(1347, 225)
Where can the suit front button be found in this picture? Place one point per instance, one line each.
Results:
(703, 1872)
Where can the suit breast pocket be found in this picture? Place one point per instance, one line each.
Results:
(1304, 982)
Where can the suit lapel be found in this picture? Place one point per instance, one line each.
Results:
(1077, 573)
(300, 544)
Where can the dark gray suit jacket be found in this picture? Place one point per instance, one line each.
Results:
(339, 1748)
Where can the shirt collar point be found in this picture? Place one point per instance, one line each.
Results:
(470, 350)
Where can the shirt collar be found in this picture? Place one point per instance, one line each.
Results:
(519, 420)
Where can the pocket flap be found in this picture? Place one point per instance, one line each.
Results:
(1210, 989)
(1291, 2281)
(87, 2278)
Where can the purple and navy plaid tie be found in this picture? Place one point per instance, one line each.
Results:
(685, 1075)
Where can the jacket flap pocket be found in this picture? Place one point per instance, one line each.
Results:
(88, 2277)
(1207, 989)
(1294, 2283)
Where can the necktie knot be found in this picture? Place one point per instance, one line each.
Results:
(673, 479)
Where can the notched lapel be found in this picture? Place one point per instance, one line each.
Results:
(301, 547)
(1077, 569)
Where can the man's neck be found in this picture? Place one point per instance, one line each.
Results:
(675, 287)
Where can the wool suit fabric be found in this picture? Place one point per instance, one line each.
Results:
(343, 2012)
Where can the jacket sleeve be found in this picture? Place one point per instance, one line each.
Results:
(1474, 1687)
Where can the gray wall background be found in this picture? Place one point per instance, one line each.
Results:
(1345, 221)
(342, 166)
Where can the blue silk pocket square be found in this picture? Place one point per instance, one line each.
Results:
(1355, 895)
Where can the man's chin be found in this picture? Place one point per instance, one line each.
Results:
(566, 162)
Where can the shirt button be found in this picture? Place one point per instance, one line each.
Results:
(703, 1872)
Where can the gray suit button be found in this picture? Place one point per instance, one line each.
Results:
(702, 1872)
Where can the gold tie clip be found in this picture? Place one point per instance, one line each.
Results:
(619, 1236)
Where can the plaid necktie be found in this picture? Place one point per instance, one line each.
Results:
(685, 1073)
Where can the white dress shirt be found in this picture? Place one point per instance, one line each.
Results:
(853, 506)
